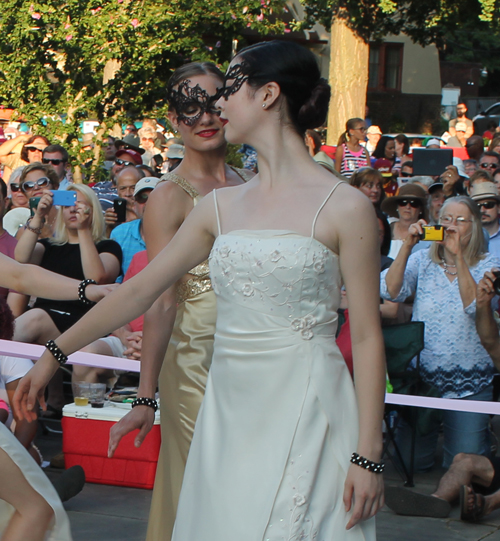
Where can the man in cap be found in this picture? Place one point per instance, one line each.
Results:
(461, 118)
(373, 134)
(174, 156)
(485, 194)
(129, 235)
(459, 139)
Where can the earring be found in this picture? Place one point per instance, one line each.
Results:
(264, 105)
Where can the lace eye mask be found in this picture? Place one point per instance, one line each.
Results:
(191, 103)
(238, 74)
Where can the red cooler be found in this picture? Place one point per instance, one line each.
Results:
(85, 442)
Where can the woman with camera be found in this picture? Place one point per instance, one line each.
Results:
(443, 281)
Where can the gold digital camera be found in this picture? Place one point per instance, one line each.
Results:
(432, 232)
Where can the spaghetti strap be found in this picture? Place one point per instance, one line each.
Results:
(323, 204)
(217, 212)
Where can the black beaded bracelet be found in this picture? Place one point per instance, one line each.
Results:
(56, 352)
(81, 291)
(143, 401)
(367, 464)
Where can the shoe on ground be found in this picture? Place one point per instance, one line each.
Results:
(70, 483)
(406, 502)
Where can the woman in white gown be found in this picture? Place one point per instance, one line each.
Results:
(270, 458)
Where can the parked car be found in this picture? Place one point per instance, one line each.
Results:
(482, 120)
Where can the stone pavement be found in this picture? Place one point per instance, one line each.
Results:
(107, 513)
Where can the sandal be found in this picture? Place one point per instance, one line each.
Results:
(477, 512)
(406, 502)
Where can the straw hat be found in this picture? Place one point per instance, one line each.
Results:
(484, 190)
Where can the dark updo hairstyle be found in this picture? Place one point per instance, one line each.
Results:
(379, 151)
(192, 69)
(349, 125)
(295, 69)
(403, 140)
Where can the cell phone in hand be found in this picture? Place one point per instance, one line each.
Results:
(63, 198)
(120, 208)
(34, 204)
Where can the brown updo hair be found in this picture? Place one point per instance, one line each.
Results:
(295, 69)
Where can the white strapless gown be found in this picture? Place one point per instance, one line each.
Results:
(279, 419)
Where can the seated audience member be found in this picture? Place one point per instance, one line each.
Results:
(370, 182)
(106, 191)
(406, 169)
(57, 157)
(125, 342)
(475, 147)
(130, 235)
(461, 119)
(402, 150)
(485, 194)
(436, 201)
(174, 156)
(443, 282)
(433, 143)
(313, 142)
(126, 179)
(472, 479)
(13, 157)
(489, 161)
(16, 196)
(385, 150)
(479, 177)
(149, 139)
(470, 166)
(109, 150)
(491, 130)
(35, 180)
(373, 134)
(409, 206)
(459, 139)
(385, 168)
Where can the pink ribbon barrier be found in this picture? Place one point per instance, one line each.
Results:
(34, 352)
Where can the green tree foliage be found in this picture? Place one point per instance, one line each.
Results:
(110, 59)
(425, 21)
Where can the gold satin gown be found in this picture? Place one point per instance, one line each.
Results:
(182, 384)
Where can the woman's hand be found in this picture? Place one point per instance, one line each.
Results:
(140, 418)
(366, 490)
(96, 293)
(83, 215)
(449, 178)
(452, 242)
(44, 205)
(414, 232)
(485, 289)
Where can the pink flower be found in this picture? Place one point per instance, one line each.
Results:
(287, 30)
(245, 9)
(260, 17)
(36, 16)
(66, 26)
(233, 16)
(32, 7)
(134, 23)
(68, 37)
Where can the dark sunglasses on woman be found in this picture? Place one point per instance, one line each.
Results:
(30, 184)
(32, 149)
(412, 202)
(15, 187)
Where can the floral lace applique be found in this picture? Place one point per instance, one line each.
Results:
(304, 325)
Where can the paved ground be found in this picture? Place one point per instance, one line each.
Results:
(107, 513)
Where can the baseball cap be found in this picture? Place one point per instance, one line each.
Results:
(175, 152)
(384, 167)
(484, 190)
(145, 183)
(132, 153)
(373, 129)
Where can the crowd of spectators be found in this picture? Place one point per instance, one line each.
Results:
(101, 238)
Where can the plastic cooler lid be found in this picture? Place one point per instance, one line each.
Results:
(110, 412)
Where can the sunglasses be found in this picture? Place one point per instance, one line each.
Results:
(405, 174)
(488, 165)
(46, 161)
(412, 202)
(122, 162)
(14, 187)
(30, 184)
(32, 149)
(142, 197)
(488, 205)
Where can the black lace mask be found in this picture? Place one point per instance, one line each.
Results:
(238, 74)
(191, 103)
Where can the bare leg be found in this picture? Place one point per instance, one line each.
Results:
(464, 470)
(92, 374)
(33, 514)
(35, 327)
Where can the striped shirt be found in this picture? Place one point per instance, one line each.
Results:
(352, 161)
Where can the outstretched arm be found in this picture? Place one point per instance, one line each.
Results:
(189, 247)
(486, 325)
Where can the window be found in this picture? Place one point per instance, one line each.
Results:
(385, 65)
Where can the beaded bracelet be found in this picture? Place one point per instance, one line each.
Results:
(37, 230)
(56, 352)
(81, 291)
(143, 401)
(367, 464)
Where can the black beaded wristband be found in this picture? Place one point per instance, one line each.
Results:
(367, 464)
(56, 352)
(81, 291)
(143, 401)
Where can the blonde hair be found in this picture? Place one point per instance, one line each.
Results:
(97, 226)
(474, 251)
(147, 131)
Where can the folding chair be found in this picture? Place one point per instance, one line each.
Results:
(403, 343)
